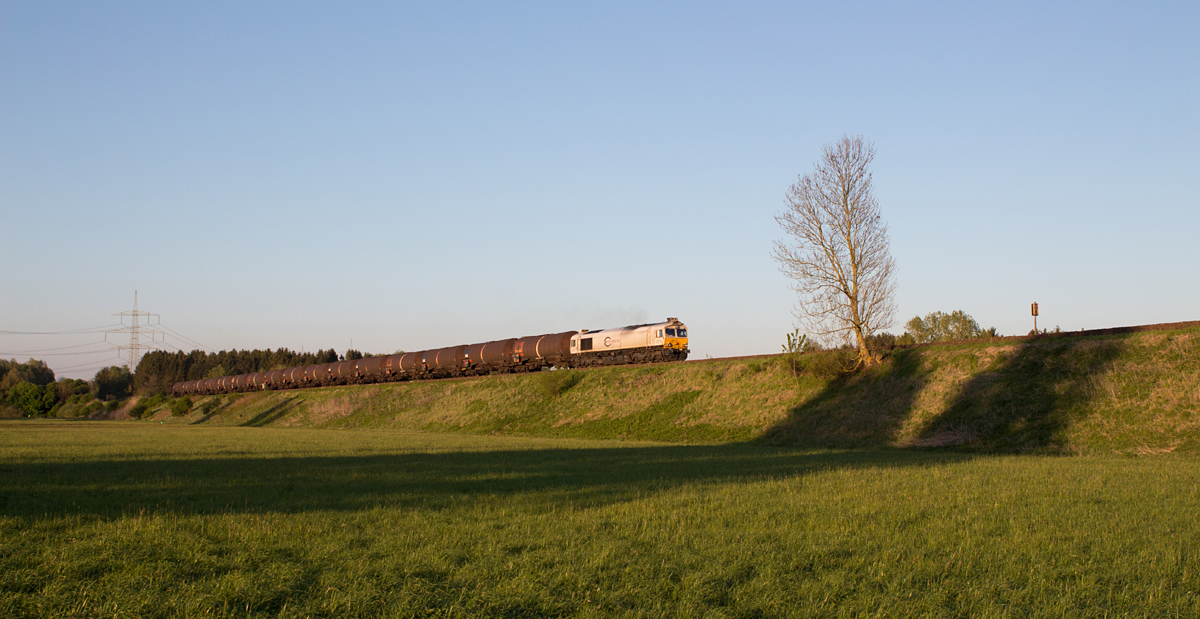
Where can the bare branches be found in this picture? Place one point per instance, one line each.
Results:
(837, 253)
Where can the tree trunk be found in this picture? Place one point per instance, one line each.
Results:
(864, 354)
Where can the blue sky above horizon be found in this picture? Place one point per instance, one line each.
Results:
(417, 175)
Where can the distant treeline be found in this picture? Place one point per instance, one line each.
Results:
(158, 370)
(30, 388)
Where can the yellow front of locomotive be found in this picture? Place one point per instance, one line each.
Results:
(675, 335)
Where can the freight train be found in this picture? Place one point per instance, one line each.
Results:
(650, 343)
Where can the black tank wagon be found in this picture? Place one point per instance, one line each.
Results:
(649, 343)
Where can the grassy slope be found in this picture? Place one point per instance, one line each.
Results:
(1130, 393)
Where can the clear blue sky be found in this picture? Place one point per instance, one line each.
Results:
(421, 175)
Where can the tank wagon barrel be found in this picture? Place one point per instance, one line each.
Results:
(369, 368)
(648, 343)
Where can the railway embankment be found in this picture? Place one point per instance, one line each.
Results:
(1124, 391)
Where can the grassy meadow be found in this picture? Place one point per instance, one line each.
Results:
(149, 519)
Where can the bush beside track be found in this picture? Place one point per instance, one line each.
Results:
(1134, 390)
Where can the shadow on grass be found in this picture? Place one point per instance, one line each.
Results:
(275, 412)
(866, 409)
(1027, 400)
(210, 409)
(1024, 401)
(544, 479)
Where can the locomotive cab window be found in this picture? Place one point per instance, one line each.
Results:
(659, 333)
(683, 333)
(670, 332)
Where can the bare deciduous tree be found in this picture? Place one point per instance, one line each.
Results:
(837, 254)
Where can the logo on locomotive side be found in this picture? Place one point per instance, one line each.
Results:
(608, 341)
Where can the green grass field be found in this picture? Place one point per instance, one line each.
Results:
(117, 519)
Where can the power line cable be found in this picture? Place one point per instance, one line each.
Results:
(58, 354)
(57, 293)
(183, 337)
(96, 364)
(164, 343)
(173, 347)
(246, 346)
(70, 332)
(53, 349)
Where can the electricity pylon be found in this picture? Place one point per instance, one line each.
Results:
(135, 332)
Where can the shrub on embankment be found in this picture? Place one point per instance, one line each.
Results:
(1129, 393)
